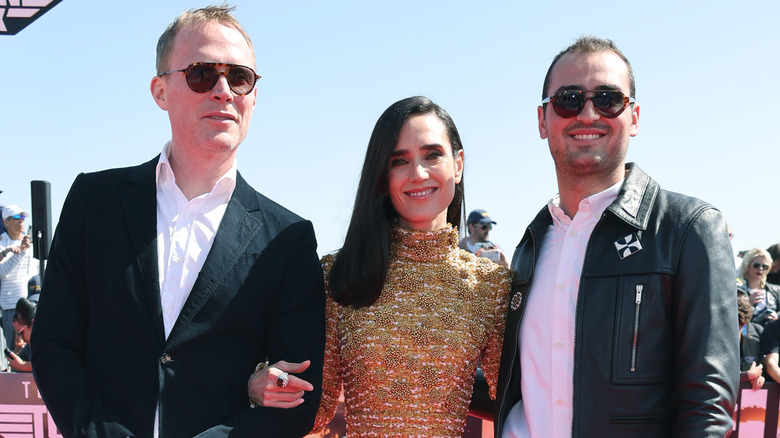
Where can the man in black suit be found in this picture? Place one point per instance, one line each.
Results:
(170, 281)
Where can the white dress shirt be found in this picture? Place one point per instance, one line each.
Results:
(547, 330)
(185, 233)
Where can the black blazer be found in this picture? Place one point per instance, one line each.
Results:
(102, 363)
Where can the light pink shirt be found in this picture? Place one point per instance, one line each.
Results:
(547, 330)
(185, 233)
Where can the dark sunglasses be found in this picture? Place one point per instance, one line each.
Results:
(203, 76)
(485, 226)
(757, 265)
(570, 103)
(17, 217)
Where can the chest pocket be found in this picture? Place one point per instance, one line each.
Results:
(643, 340)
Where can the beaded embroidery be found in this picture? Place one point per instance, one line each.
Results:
(408, 361)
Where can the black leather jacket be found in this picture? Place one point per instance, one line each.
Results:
(666, 367)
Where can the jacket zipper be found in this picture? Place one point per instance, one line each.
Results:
(637, 302)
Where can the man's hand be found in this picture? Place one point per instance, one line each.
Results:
(26, 242)
(14, 361)
(264, 391)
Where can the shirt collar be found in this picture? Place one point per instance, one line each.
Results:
(164, 174)
(594, 205)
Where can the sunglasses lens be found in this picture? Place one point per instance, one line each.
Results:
(609, 103)
(568, 103)
(241, 79)
(201, 77)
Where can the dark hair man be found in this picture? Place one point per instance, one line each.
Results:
(169, 282)
(23, 320)
(622, 315)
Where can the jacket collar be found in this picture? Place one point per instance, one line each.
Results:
(636, 198)
(139, 200)
(633, 204)
(236, 232)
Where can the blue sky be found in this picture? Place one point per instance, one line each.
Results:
(76, 98)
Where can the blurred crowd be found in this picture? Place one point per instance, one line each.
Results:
(758, 295)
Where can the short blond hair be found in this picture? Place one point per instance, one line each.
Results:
(220, 14)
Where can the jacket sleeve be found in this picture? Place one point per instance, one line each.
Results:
(297, 333)
(58, 343)
(706, 330)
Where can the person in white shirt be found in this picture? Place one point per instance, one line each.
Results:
(168, 282)
(17, 266)
(622, 312)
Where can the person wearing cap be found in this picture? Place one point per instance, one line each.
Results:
(34, 288)
(16, 266)
(24, 316)
(479, 224)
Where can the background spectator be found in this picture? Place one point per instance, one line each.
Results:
(479, 224)
(16, 265)
(774, 272)
(24, 317)
(749, 344)
(763, 296)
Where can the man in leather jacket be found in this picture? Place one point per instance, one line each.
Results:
(622, 320)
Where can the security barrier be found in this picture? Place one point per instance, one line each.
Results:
(23, 414)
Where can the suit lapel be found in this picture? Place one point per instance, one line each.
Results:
(236, 231)
(139, 200)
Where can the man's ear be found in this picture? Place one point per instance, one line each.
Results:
(634, 120)
(159, 89)
(542, 122)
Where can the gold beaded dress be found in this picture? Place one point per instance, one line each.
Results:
(407, 362)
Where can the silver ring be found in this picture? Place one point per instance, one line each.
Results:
(282, 380)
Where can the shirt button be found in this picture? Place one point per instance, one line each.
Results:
(573, 233)
(168, 310)
(559, 402)
(176, 258)
(166, 359)
(559, 344)
(561, 286)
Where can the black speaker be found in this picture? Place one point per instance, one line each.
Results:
(41, 218)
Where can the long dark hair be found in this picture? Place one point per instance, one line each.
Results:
(360, 269)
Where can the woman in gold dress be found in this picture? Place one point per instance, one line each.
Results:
(410, 316)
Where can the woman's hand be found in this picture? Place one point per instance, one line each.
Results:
(265, 390)
(757, 296)
(754, 374)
